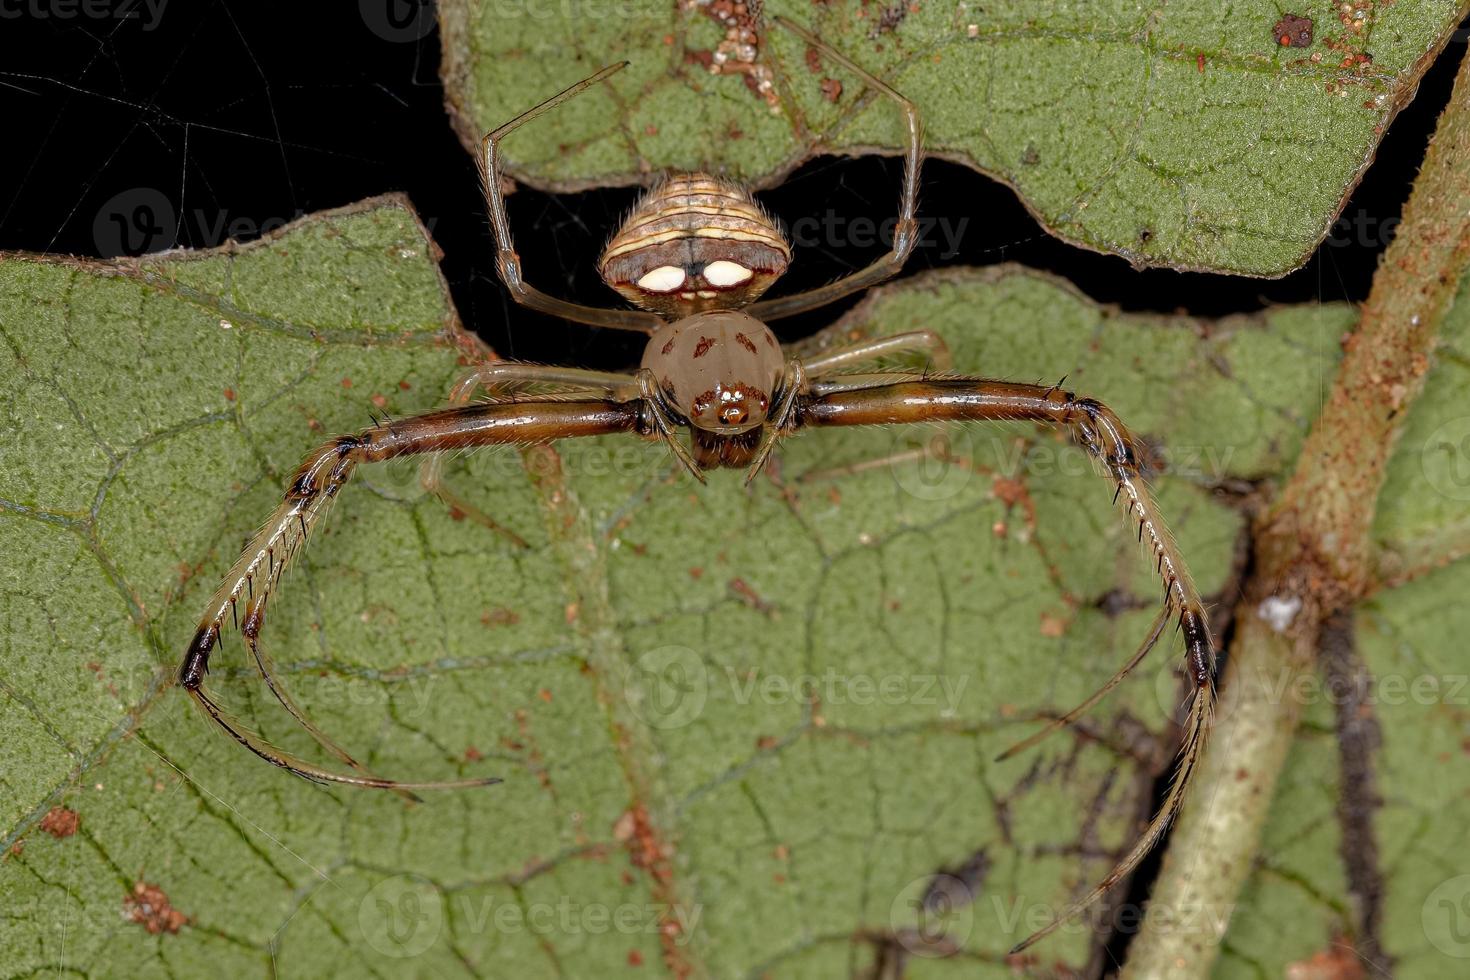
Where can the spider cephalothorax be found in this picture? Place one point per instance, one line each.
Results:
(694, 258)
(694, 243)
(719, 368)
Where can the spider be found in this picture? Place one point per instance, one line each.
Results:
(694, 258)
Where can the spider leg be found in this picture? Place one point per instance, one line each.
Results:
(256, 573)
(307, 770)
(905, 233)
(1104, 436)
(936, 447)
(1196, 731)
(778, 423)
(499, 379)
(509, 263)
(861, 382)
(664, 425)
(926, 342)
(267, 669)
(829, 363)
(1160, 621)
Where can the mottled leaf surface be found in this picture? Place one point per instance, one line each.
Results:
(1183, 135)
(740, 731)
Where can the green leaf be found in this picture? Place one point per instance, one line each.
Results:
(1180, 135)
(766, 716)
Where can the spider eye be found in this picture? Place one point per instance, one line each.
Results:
(664, 279)
(726, 273)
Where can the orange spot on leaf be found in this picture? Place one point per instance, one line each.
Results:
(60, 822)
(148, 906)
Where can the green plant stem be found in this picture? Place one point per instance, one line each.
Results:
(1314, 556)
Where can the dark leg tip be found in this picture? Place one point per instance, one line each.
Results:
(196, 661)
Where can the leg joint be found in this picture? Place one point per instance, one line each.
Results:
(1105, 434)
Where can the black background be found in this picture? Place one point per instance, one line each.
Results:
(227, 118)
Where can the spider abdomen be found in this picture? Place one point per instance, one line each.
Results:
(693, 243)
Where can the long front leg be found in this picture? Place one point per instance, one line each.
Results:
(822, 371)
(905, 232)
(508, 262)
(256, 573)
(1104, 436)
(498, 379)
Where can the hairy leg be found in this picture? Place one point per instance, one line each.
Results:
(508, 262)
(925, 342)
(499, 380)
(253, 579)
(823, 378)
(779, 422)
(1104, 436)
(905, 233)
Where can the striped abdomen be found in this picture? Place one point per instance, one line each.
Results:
(694, 243)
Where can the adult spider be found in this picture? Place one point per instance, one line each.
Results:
(694, 257)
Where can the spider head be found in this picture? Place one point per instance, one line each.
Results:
(718, 369)
(695, 243)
